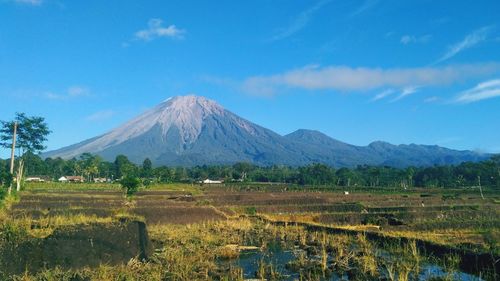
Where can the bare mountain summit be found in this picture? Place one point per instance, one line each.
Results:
(191, 130)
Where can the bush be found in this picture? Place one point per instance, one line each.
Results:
(5, 179)
(130, 184)
(252, 211)
(3, 193)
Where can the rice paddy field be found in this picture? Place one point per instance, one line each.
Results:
(248, 232)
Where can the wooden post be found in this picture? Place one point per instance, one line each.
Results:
(480, 188)
(12, 154)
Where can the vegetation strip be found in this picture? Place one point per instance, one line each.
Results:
(470, 261)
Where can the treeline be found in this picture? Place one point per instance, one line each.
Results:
(485, 173)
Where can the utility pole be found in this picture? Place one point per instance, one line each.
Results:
(480, 188)
(12, 154)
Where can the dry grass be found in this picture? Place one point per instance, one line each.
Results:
(192, 251)
(178, 187)
(450, 237)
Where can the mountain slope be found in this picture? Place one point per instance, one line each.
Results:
(420, 155)
(325, 149)
(193, 130)
(189, 131)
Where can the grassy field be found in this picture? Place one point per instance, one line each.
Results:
(240, 232)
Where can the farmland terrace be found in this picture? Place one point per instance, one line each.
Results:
(458, 219)
(430, 211)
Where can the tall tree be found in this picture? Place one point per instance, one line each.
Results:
(90, 165)
(32, 132)
(147, 167)
(123, 166)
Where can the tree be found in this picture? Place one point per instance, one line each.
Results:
(123, 167)
(316, 174)
(147, 167)
(345, 177)
(410, 172)
(163, 174)
(90, 165)
(5, 176)
(130, 184)
(32, 133)
(243, 169)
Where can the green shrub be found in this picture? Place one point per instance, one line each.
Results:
(3, 193)
(252, 211)
(5, 179)
(130, 184)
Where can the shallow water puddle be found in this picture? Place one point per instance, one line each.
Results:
(279, 258)
(433, 271)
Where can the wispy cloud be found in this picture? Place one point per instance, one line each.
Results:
(485, 90)
(71, 92)
(471, 40)
(409, 39)
(344, 78)
(432, 99)
(383, 94)
(30, 2)
(410, 90)
(219, 81)
(156, 30)
(389, 34)
(100, 116)
(300, 22)
(78, 91)
(367, 5)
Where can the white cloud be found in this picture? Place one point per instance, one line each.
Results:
(71, 92)
(219, 81)
(410, 90)
(469, 41)
(432, 99)
(344, 78)
(30, 2)
(383, 94)
(52, 96)
(77, 91)
(485, 90)
(100, 115)
(408, 39)
(389, 34)
(367, 5)
(300, 22)
(156, 29)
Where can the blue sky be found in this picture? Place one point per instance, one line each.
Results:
(425, 72)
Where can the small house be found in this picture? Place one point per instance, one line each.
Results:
(100, 180)
(34, 179)
(209, 181)
(71, 179)
(75, 178)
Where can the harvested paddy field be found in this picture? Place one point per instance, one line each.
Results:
(222, 233)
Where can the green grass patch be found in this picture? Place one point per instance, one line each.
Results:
(183, 187)
(70, 186)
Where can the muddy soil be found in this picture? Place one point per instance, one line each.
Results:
(76, 247)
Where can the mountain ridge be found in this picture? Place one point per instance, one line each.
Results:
(192, 130)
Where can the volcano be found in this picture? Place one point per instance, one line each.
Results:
(193, 130)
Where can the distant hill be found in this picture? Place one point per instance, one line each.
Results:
(192, 130)
(328, 150)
